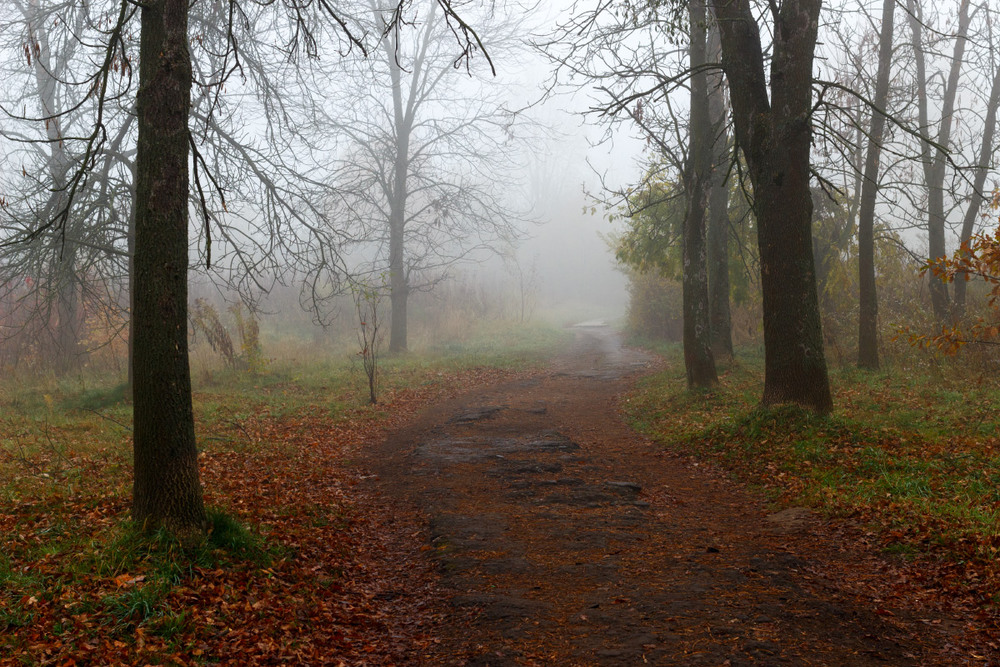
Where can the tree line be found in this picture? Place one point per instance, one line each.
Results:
(835, 131)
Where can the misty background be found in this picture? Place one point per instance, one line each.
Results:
(285, 214)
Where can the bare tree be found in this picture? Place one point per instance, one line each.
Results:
(942, 66)
(79, 269)
(525, 283)
(166, 490)
(368, 298)
(935, 151)
(874, 126)
(773, 130)
(717, 235)
(425, 176)
(987, 148)
(868, 312)
(851, 113)
(631, 54)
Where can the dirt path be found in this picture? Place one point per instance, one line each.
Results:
(566, 539)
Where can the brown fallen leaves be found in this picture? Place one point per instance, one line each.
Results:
(346, 584)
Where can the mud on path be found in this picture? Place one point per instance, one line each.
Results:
(563, 538)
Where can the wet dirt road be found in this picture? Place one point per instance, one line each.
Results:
(563, 538)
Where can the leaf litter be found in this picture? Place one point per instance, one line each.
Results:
(341, 582)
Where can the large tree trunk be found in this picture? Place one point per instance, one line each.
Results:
(976, 199)
(934, 162)
(775, 140)
(720, 315)
(718, 210)
(698, 361)
(166, 490)
(131, 293)
(868, 296)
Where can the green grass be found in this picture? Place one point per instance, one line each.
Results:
(915, 455)
(336, 379)
(137, 604)
(48, 420)
(53, 430)
(163, 555)
(170, 624)
(94, 399)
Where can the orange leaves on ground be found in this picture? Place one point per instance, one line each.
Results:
(346, 583)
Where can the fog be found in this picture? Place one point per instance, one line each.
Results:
(579, 276)
(296, 204)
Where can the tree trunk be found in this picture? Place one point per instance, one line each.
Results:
(698, 361)
(131, 292)
(63, 279)
(775, 142)
(166, 490)
(934, 165)
(976, 199)
(868, 296)
(720, 317)
(399, 288)
(399, 291)
(67, 334)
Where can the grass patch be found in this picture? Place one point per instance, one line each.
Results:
(137, 604)
(162, 555)
(97, 398)
(50, 422)
(18, 592)
(335, 381)
(170, 625)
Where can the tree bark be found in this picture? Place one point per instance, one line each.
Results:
(717, 237)
(868, 296)
(775, 141)
(399, 290)
(698, 361)
(131, 290)
(166, 489)
(68, 348)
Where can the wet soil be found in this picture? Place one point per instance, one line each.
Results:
(563, 538)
